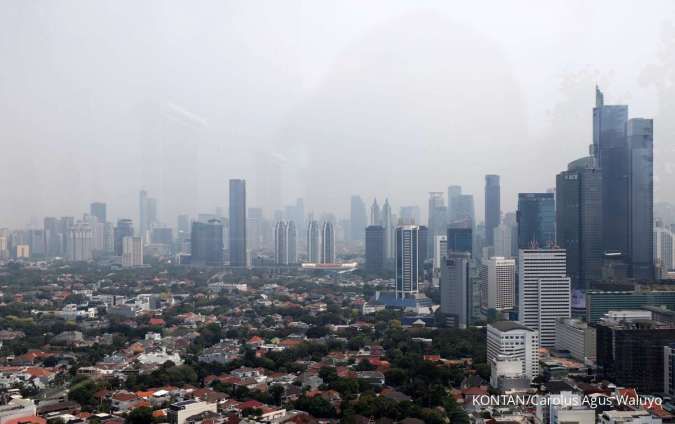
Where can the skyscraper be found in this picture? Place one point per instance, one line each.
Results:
(579, 220)
(544, 291)
(327, 243)
(493, 210)
(610, 146)
(454, 192)
(374, 248)
(123, 229)
(641, 198)
(409, 215)
(147, 214)
(498, 283)
(407, 260)
(357, 218)
(536, 220)
(512, 340)
(237, 219)
(132, 251)
(388, 226)
(285, 243)
(98, 209)
(459, 239)
(206, 243)
(375, 215)
(503, 240)
(455, 288)
(80, 242)
(438, 220)
(313, 241)
(464, 211)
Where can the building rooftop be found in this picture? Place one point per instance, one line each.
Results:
(508, 326)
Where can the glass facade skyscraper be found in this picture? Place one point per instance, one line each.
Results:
(536, 220)
(238, 223)
(492, 206)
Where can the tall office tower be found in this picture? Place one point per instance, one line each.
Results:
(454, 192)
(80, 242)
(98, 209)
(544, 291)
(438, 221)
(254, 228)
(664, 253)
(299, 219)
(498, 283)
(536, 220)
(512, 340)
(281, 243)
(493, 211)
(464, 211)
(610, 146)
(357, 219)
(125, 228)
(440, 250)
(459, 239)
(292, 238)
(238, 223)
(183, 227)
(206, 243)
(132, 251)
(375, 214)
(388, 226)
(36, 241)
(579, 220)
(455, 287)
(327, 243)
(147, 214)
(65, 224)
(503, 241)
(162, 235)
(313, 241)
(407, 260)
(53, 237)
(424, 253)
(409, 215)
(375, 248)
(640, 134)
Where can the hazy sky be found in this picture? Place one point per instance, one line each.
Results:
(314, 99)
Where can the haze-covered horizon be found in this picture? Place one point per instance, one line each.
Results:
(314, 99)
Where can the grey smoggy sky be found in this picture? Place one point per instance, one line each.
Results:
(314, 99)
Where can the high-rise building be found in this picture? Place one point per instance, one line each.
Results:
(147, 214)
(630, 353)
(388, 226)
(407, 260)
(664, 253)
(125, 228)
(53, 237)
(498, 283)
(438, 219)
(544, 294)
(206, 243)
(375, 214)
(579, 220)
(237, 217)
(611, 148)
(493, 211)
(536, 220)
(98, 209)
(80, 242)
(599, 303)
(409, 215)
(327, 243)
(285, 243)
(440, 250)
(313, 241)
(183, 227)
(454, 192)
(464, 211)
(512, 340)
(503, 241)
(459, 239)
(132, 251)
(640, 133)
(374, 248)
(162, 235)
(65, 224)
(455, 288)
(357, 218)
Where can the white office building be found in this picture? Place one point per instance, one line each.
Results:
(440, 250)
(544, 291)
(576, 337)
(132, 251)
(498, 280)
(510, 339)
